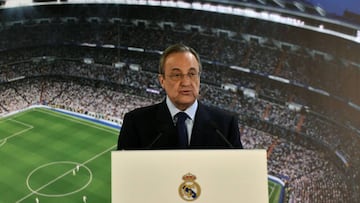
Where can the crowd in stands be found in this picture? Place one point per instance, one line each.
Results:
(57, 75)
(309, 175)
(302, 66)
(312, 177)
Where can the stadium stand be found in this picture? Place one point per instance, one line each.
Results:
(313, 149)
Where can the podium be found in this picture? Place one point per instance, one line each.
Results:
(179, 176)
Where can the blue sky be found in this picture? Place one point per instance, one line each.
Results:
(338, 6)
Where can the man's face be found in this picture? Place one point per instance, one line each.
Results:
(181, 79)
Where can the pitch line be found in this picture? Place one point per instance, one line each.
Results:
(64, 174)
(58, 178)
(29, 127)
(22, 123)
(272, 190)
(77, 120)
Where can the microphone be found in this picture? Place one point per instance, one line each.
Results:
(213, 124)
(155, 140)
(162, 130)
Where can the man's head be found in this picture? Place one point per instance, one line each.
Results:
(179, 75)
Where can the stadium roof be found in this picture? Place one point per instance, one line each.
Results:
(317, 15)
(348, 10)
(345, 9)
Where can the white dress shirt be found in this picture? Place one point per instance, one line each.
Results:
(189, 111)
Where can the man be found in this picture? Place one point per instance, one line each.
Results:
(158, 126)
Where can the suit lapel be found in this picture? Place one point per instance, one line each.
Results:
(200, 123)
(165, 125)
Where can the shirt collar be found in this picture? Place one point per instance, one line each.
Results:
(189, 111)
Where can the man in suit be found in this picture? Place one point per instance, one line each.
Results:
(157, 127)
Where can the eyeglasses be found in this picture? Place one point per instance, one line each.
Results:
(179, 76)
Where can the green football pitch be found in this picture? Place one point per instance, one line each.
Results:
(55, 157)
(274, 190)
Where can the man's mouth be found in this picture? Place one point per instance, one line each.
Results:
(185, 92)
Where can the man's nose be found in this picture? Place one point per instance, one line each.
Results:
(185, 78)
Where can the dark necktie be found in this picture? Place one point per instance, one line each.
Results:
(182, 130)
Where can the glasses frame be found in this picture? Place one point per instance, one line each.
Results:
(193, 76)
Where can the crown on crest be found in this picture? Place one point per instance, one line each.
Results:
(189, 177)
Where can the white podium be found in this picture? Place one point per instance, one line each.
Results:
(179, 176)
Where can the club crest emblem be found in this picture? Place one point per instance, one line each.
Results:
(189, 190)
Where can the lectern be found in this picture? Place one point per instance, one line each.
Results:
(179, 176)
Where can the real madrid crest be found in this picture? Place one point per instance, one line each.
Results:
(189, 190)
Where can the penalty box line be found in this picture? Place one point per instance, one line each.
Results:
(29, 127)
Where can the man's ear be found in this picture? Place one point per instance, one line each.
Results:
(161, 80)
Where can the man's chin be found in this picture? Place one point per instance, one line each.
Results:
(185, 102)
(187, 98)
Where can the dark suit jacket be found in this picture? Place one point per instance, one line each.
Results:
(152, 127)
